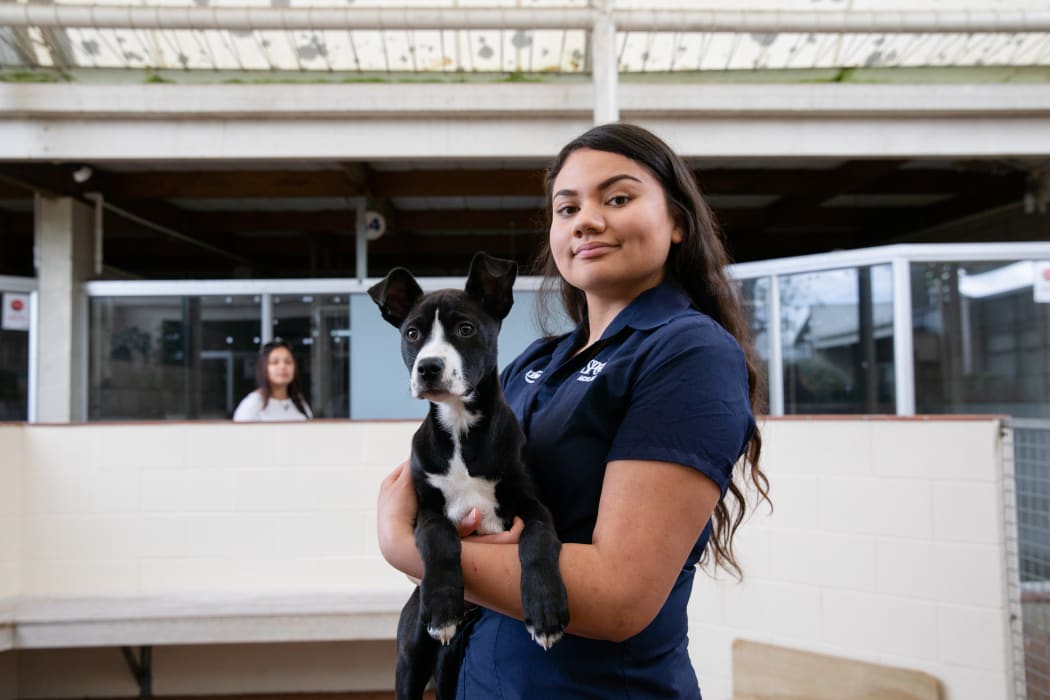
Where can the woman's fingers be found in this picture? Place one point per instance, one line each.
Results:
(399, 472)
(511, 536)
(469, 523)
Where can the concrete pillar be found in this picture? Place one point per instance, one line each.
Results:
(604, 67)
(64, 250)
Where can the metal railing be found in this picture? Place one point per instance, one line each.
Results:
(1031, 455)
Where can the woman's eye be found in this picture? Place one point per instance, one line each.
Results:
(412, 335)
(465, 330)
(619, 200)
(567, 210)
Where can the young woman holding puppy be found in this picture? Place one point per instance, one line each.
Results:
(636, 422)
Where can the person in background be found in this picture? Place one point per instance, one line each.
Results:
(278, 397)
(641, 430)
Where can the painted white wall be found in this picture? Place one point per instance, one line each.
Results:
(166, 508)
(11, 467)
(886, 545)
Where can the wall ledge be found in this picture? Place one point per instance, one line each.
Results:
(201, 618)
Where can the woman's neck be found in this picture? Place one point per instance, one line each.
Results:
(601, 310)
(278, 392)
(600, 313)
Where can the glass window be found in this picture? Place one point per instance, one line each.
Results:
(14, 357)
(755, 294)
(981, 341)
(160, 358)
(318, 329)
(837, 339)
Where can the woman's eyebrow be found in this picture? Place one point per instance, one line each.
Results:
(601, 185)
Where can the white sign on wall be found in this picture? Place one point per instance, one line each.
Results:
(1041, 283)
(16, 312)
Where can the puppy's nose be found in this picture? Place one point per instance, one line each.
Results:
(430, 368)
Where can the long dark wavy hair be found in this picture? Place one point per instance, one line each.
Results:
(262, 382)
(698, 266)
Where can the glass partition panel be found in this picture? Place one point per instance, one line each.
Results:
(157, 358)
(318, 329)
(982, 342)
(755, 294)
(14, 357)
(837, 339)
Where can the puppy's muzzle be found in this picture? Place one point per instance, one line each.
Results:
(429, 376)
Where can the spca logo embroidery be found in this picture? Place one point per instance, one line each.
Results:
(590, 372)
(532, 375)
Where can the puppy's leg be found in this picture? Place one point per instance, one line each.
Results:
(441, 595)
(416, 652)
(449, 660)
(542, 592)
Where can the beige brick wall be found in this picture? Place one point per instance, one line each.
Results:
(161, 508)
(885, 545)
(12, 462)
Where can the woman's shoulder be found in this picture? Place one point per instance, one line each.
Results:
(253, 397)
(249, 406)
(694, 329)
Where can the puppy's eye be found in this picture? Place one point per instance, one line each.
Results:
(465, 330)
(411, 334)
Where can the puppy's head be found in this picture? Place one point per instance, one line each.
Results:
(448, 337)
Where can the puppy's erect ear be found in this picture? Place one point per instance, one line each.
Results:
(491, 281)
(396, 295)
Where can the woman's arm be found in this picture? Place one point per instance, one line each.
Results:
(649, 518)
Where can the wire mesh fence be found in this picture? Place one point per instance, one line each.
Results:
(1031, 453)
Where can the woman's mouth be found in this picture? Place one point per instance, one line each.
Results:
(592, 250)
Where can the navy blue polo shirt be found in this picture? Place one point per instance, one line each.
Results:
(665, 382)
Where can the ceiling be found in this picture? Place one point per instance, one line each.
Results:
(239, 219)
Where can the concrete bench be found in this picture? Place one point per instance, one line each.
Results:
(219, 618)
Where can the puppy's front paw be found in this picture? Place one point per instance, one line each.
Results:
(547, 615)
(442, 616)
(544, 640)
(443, 634)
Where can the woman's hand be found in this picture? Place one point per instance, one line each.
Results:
(396, 519)
(471, 520)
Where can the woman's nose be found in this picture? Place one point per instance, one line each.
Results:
(588, 219)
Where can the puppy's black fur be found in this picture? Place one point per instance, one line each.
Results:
(468, 452)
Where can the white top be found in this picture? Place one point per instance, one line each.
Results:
(251, 409)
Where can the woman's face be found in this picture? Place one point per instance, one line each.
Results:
(611, 231)
(280, 367)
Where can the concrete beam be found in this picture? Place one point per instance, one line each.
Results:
(362, 122)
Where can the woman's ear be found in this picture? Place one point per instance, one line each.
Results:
(676, 235)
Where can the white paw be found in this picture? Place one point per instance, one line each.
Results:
(544, 640)
(443, 634)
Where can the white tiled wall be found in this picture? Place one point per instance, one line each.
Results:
(885, 545)
(161, 508)
(11, 466)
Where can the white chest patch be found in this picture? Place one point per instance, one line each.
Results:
(463, 492)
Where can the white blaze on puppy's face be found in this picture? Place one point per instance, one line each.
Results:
(438, 347)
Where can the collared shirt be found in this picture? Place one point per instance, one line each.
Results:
(665, 382)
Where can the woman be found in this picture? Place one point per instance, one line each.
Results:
(277, 397)
(635, 422)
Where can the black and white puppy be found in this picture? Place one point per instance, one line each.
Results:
(468, 453)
